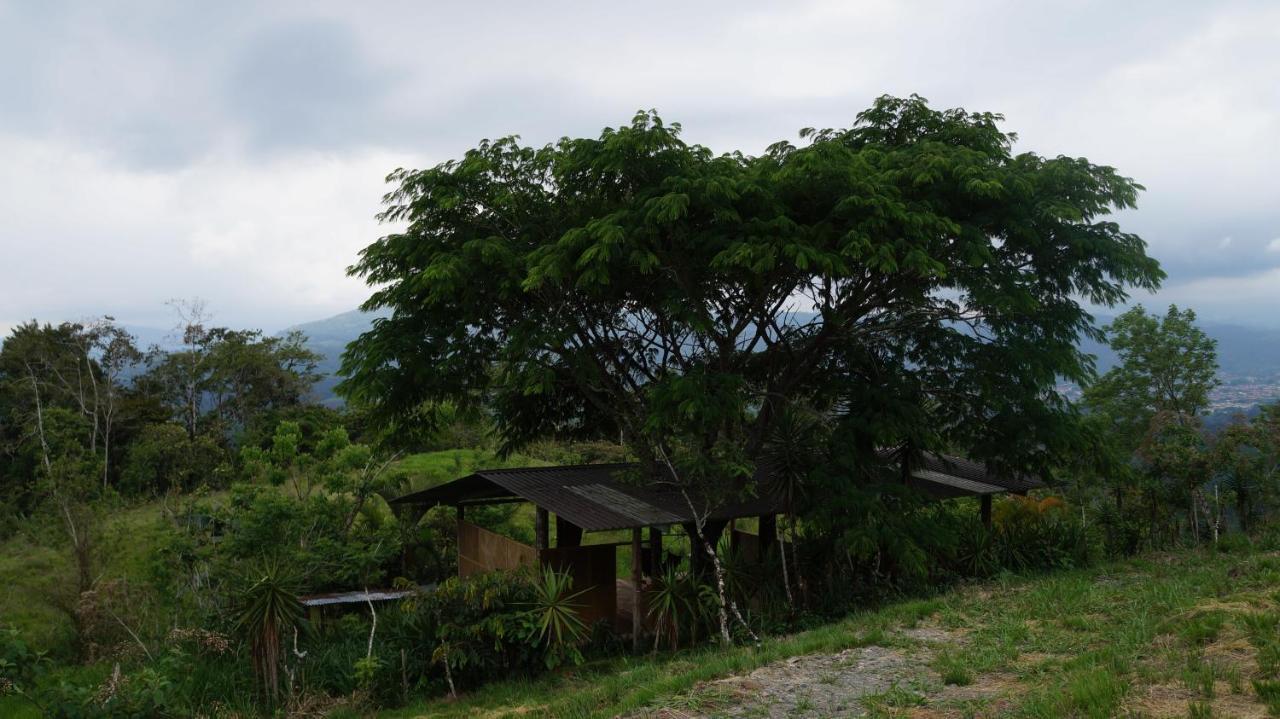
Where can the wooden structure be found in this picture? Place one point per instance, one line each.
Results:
(480, 550)
(947, 477)
(600, 497)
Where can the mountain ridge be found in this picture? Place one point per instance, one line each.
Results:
(1243, 352)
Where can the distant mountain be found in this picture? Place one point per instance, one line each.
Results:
(1242, 351)
(328, 338)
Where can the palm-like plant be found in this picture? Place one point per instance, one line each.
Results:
(791, 453)
(555, 615)
(670, 601)
(268, 609)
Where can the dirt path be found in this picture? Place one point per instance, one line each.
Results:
(895, 679)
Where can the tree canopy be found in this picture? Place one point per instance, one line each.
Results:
(1168, 365)
(909, 275)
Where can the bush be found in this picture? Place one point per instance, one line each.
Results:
(19, 663)
(1039, 534)
(164, 458)
(493, 625)
(477, 628)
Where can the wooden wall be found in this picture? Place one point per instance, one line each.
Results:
(480, 550)
(748, 544)
(593, 568)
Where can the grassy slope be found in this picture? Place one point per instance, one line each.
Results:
(36, 572)
(37, 576)
(431, 468)
(1147, 637)
(35, 569)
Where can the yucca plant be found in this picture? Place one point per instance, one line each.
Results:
(268, 608)
(671, 601)
(555, 616)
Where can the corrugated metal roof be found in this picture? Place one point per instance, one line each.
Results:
(951, 485)
(965, 469)
(595, 497)
(361, 597)
(599, 497)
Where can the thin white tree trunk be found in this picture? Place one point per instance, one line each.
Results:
(786, 576)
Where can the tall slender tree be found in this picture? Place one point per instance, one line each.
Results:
(1149, 405)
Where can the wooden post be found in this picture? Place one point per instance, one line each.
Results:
(986, 510)
(540, 541)
(768, 533)
(636, 603)
(655, 551)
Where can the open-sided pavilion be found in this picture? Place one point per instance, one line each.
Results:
(604, 497)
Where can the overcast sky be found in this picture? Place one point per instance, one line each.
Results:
(235, 151)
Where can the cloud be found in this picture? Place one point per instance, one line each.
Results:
(307, 84)
(1243, 299)
(236, 150)
(264, 244)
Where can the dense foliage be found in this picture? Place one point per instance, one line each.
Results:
(910, 273)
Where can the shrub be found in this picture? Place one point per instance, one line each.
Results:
(163, 458)
(478, 628)
(19, 663)
(1039, 534)
(268, 610)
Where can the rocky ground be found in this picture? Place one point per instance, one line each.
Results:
(896, 677)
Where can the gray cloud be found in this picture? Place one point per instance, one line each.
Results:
(235, 150)
(307, 85)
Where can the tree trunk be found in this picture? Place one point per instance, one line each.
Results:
(786, 576)
(726, 603)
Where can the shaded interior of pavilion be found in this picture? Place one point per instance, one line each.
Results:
(580, 510)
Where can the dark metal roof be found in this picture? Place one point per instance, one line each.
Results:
(592, 496)
(945, 475)
(598, 497)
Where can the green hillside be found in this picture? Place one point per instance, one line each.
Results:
(1163, 635)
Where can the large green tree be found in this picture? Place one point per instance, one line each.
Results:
(79, 366)
(910, 274)
(1147, 410)
(1167, 365)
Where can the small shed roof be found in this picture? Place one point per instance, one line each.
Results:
(946, 476)
(599, 497)
(594, 497)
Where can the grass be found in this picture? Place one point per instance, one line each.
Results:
(428, 469)
(37, 574)
(1177, 634)
(37, 570)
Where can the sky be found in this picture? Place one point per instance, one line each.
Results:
(235, 151)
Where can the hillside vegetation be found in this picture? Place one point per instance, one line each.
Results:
(1171, 634)
(36, 576)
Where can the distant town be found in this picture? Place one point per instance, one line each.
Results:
(1237, 393)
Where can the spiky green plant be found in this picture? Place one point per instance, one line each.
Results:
(555, 615)
(268, 608)
(671, 601)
